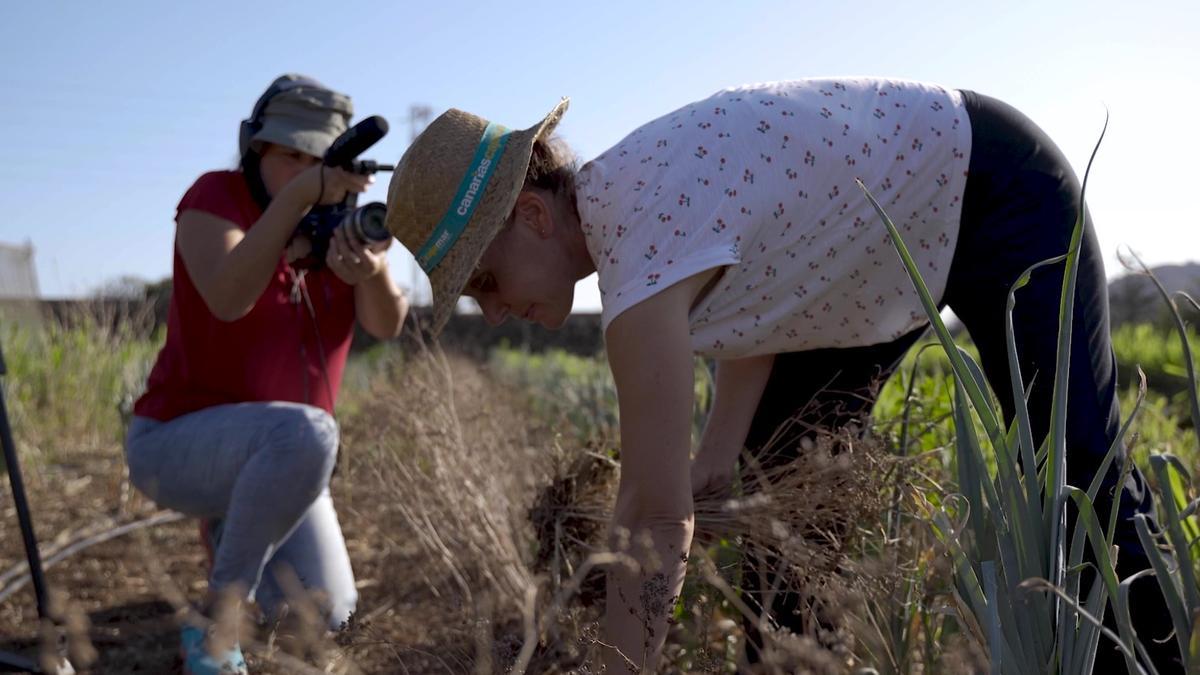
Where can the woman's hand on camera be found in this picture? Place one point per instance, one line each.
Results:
(337, 183)
(352, 260)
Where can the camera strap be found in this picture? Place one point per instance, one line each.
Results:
(299, 293)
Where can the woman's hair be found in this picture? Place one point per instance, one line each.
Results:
(251, 165)
(552, 167)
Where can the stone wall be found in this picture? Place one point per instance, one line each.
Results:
(470, 334)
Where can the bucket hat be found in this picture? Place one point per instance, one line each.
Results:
(299, 113)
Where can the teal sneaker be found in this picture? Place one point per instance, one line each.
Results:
(197, 661)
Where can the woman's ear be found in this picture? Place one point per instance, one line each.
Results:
(533, 211)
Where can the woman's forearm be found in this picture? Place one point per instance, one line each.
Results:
(246, 271)
(380, 305)
(651, 358)
(641, 596)
(739, 387)
(232, 268)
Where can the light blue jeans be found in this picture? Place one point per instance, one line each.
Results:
(264, 469)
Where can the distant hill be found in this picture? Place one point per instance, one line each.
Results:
(1132, 298)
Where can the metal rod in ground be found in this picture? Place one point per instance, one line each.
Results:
(12, 663)
(25, 521)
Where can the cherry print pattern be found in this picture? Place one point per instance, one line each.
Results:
(736, 184)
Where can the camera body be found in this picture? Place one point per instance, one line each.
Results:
(366, 222)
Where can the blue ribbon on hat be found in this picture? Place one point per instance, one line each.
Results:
(470, 191)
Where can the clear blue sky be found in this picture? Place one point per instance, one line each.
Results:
(110, 110)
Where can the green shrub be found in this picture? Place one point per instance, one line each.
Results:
(576, 394)
(70, 385)
(1159, 352)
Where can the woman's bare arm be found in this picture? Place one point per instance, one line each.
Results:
(231, 268)
(739, 387)
(649, 350)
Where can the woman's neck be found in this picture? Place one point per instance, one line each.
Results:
(581, 260)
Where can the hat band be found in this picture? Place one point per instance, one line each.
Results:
(487, 155)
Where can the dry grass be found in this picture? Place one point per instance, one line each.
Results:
(513, 528)
(477, 538)
(460, 477)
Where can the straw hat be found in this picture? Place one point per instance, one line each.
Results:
(452, 192)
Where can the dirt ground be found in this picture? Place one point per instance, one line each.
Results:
(124, 586)
(417, 537)
(120, 597)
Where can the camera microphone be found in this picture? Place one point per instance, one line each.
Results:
(355, 141)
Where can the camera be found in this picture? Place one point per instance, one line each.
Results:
(367, 222)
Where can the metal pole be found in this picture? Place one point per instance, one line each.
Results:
(26, 523)
(418, 118)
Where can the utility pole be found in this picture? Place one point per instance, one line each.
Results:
(419, 115)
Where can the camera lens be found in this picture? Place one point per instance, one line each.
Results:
(368, 222)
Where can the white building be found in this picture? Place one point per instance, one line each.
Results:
(18, 278)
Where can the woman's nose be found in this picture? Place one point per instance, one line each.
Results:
(494, 312)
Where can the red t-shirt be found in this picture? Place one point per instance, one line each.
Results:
(271, 354)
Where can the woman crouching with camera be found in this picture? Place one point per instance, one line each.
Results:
(236, 425)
